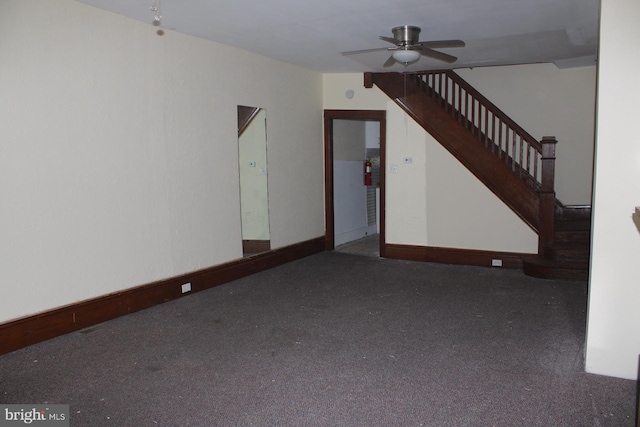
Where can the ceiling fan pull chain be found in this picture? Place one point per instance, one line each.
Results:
(405, 82)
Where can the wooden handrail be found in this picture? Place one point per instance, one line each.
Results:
(520, 151)
(485, 102)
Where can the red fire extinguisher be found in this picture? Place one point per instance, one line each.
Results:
(367, 172)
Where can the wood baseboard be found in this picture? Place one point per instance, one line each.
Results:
(256, 246)
(453, 256)
(29, 330)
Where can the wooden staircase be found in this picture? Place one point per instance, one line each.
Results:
(568, 256)
(509, 161)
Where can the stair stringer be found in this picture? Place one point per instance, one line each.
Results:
(456, 139)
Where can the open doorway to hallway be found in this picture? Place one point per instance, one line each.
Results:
(354, 144)
(367, 246)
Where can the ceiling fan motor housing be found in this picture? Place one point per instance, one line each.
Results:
(408, 48)
(406, 34)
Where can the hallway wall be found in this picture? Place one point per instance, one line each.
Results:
(119, 161)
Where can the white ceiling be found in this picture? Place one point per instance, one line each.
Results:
(312, 34)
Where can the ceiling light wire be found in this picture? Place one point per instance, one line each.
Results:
(157, 16)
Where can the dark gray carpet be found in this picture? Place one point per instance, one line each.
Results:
(335, 340)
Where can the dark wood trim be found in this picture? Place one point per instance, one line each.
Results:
(29, 330)
(368, 80)
(536, 266)
(329, 225)
(371, 115)
(366, 115)
(255, 246)
(453, 256)
(383, 186)
(547, 197)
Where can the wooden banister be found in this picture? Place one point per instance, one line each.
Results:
(520, 151)
(547, 196)
(501, 154)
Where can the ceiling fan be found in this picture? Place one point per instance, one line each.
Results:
(408, 49)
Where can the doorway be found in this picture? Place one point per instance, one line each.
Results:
(338, 202)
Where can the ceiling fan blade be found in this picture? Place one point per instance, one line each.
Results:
(389, 62)
(355, 52)
(389, 39)
(437, 55)
(442, 43)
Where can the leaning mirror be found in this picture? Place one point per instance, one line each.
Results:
(254, 195)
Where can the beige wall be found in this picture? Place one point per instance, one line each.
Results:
(406, 210)
(613, 333)
(119, 160)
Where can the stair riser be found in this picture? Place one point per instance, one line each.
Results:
(568, 225)
(556, 273)
(562, 239)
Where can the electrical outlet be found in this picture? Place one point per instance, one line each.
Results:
(393, 168)
(496, 263)
(186, 288)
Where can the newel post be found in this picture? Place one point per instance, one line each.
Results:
(368, 80)
(547, 208)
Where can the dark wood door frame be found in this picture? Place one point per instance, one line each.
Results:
(364, 115)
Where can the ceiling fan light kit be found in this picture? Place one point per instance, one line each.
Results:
(408, 50)
(406, 57)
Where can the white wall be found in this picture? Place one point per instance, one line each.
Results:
(545, 100)
(372, 134)
(349, 192)
(613, 332)
(119, 161)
